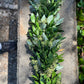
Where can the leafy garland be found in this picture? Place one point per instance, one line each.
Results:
(44, 39)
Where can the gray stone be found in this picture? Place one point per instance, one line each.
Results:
(3, 68)
(70, 70)
(24, 68)
(4, 25)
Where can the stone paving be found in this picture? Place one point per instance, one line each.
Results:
(3, 68)
(8, 31)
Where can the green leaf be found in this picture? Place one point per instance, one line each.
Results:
(54, 80)
(43, 26)
(30, 34)
(78, 27)
(29, 42)
(49, 1)
(43, 19)
(81, 61)
(56, 11)
(57, 18)
(52, 1)
(35, 77)
(37, 32)
(39, 62)
(79, 5)
(53, 74)
(59, 21)
(58, 78)
(44, 37)
(37, 24)
(36, 82)
(33, 28)
(48, 80)
(59, 67)
(41, 80)
(49, 19)
(37, 15)
(81, 77)
(32, 18)
(35, 42)
(54, 43)
(82, 33)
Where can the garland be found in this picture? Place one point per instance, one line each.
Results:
(44, 39)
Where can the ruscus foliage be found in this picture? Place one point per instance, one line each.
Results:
(44, 40)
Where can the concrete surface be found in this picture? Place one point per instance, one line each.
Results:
(3, 68)
(4, 25)
(8, 31)
(24, 69)
(4, 36)
(70, 70)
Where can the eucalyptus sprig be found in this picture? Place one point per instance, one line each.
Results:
(44, 40)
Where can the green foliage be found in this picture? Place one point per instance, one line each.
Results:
(80, 28)
(43, 79)
(44, 40)
(80, 4)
